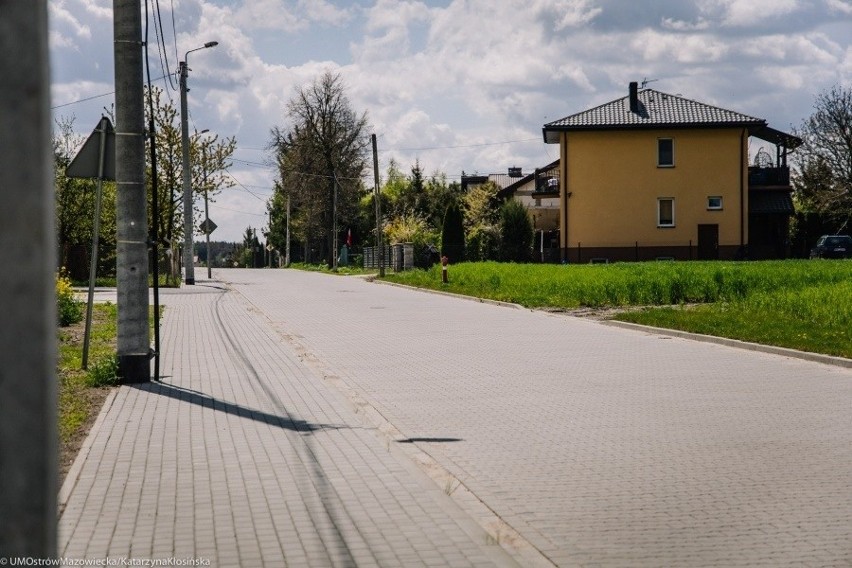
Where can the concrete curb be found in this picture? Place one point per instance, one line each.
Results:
(769, 349)
(450, 294)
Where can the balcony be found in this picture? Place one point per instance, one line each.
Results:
(768, 177)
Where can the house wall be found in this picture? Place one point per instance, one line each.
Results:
(613, 183)
(543, 211)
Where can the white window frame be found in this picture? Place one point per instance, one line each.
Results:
(714, 207)
(660, 224)
(659, 164)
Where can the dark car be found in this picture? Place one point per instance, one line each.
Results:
(833, 246)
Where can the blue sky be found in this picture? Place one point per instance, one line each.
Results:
(461, 84)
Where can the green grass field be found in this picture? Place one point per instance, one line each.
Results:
(799, 304)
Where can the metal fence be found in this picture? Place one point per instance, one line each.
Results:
(396, 257)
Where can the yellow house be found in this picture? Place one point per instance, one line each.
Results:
(653, 175)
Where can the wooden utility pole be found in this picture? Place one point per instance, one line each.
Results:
(134, 344)
(28, 440)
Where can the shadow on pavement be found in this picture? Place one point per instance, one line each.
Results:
(201, 399)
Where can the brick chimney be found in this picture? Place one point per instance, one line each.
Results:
(634, 96)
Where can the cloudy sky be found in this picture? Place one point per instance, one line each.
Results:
(461, 85)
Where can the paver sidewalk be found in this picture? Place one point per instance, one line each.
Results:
(601, 446)
(242, 456)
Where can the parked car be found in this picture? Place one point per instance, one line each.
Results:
(833, 246)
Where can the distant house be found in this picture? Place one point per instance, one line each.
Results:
(539, 193)
(653, 175)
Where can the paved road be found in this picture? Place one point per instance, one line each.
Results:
(242, 456)
(294, 407)
(600, 446)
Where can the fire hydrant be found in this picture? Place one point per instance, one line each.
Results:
(444, 262)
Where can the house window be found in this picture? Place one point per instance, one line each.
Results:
(665, 212)
(665, 153)
(714, 203)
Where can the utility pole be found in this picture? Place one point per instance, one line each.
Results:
(206, 210)
(287, 253)
(28, 441)
(131, 214)
(379, 240)
(188, 221)
(188, 246)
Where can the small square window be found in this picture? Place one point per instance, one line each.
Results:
(665, 212)
(665, 153)
(714, 203)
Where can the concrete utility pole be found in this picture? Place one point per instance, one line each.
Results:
(380, 250)
(207, 215)
(28, 476)
(287, 257)
(134, 343)
(188, 220)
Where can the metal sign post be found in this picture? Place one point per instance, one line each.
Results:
(100, 165)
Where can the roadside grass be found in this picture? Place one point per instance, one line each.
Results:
(341, 270)
(800, 304)
(110, 282)
(74, 383)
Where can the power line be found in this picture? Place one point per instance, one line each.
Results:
(215, 205)
(93, 97)
(460, 146)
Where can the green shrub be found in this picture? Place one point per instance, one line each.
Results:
(516, 232)
(104, 372)
(68, 308)
(452, 235)
(483, 243)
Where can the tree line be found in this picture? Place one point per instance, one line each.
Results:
(324, 179)
(323, 160)
(209, 163)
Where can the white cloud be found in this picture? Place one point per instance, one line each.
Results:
(842, 6)
(450, 74)
(62, 18)
(748, 13)
(682, 26)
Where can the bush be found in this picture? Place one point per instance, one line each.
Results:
(68, 308)
(452, 236)
(516, 231)
(483, 243)
(104, 372)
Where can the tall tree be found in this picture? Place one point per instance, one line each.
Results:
(823, 180)
(321, 159)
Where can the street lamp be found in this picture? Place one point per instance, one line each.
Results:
(187, 189)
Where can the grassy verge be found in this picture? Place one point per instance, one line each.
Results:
(79, 402)
(342, 270)
(803, 305)
(109, 282)
(815, 318)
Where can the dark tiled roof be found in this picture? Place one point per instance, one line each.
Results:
(655, 109)
(770, 202)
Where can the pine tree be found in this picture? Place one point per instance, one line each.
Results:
(452, 237)
(516, 231)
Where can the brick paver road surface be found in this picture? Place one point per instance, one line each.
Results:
(242, 456)
(301, 417)
(600, 446)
